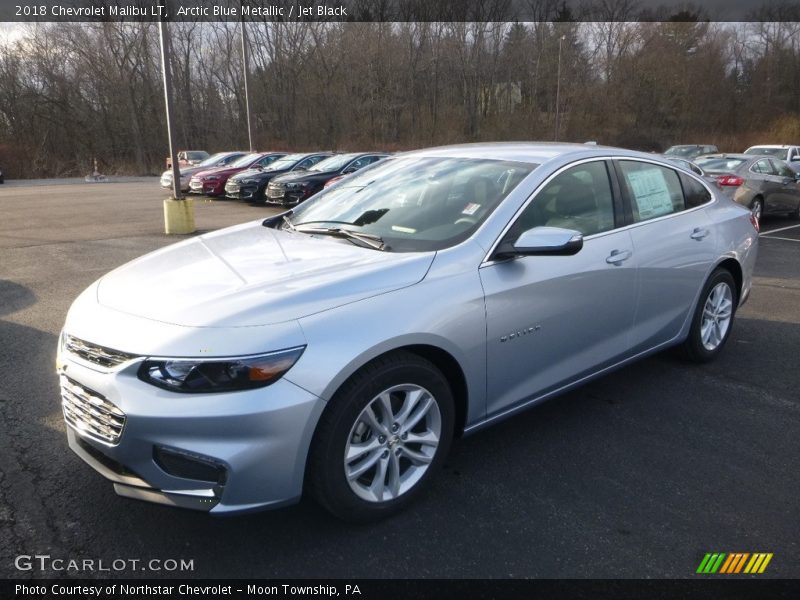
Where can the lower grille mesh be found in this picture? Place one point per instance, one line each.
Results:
(90, 413)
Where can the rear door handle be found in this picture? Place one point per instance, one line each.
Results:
(699, 233)
(618, 256)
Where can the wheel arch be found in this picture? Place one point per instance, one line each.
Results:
(735, 269)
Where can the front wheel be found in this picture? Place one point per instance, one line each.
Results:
(713, 318)
(384, 435)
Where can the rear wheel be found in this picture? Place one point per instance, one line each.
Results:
(757, 208)
(713, 318)
(383, 437)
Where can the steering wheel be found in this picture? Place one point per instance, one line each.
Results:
(467, 220)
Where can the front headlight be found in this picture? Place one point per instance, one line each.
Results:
(195, 376)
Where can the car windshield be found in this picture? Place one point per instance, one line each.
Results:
(196, 155)
(245, 161)
(415, 204)
(685, 151)
(286, 162)
(213, 159)
(334, 163)
(773, 151)
(720, 164)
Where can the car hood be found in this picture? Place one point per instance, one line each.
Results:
(184, 171)
(305, 176)
(219, 171)
(251, 275)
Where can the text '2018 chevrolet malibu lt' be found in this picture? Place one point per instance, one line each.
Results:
(339, 347)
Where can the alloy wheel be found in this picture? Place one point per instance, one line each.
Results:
(392, 443)
(717, 313)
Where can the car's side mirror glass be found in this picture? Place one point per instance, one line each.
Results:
(541, 241)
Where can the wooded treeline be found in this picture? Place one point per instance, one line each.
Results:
(70, 92)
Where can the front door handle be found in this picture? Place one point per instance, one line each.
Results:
(699, 233)
(618, 256)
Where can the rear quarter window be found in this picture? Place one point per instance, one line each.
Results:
(694, 192)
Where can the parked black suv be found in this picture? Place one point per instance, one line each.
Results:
(293, 188)
(250, 185)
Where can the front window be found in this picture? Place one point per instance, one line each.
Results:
(415, 204)
(579, 199)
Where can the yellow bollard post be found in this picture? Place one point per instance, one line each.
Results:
(179, 216)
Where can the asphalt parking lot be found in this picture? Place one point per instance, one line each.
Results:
(638, 474)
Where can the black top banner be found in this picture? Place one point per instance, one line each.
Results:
(397, 10)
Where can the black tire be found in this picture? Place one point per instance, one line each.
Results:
(693, 348)
(325, 477)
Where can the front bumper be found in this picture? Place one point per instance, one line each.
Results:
(245, 192)
(255, 442)
(209, 188)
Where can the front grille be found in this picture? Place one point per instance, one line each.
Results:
(275, 191)
(90, 413)
(98, 355)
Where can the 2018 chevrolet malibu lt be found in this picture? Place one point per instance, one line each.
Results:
(338, 348)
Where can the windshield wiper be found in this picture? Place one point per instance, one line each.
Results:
(370, 240)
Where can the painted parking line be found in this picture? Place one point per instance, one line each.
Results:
(781, 238)
(771, 231)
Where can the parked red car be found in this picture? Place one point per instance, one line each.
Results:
(212, 182)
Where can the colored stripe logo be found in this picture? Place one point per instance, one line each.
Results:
(734, 563)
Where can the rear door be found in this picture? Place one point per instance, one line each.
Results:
(674, 243)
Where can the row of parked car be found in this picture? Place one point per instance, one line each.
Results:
(269, 177)
(765, 178)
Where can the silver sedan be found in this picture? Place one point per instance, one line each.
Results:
(338, 348)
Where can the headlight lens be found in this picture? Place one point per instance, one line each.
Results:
(196, 376)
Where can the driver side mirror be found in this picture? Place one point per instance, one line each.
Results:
(541, 241)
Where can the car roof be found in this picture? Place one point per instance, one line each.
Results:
(782, 146)
(531, 152)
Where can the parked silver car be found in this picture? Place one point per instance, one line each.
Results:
(339, 347)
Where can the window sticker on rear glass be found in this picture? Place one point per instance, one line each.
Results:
(651, 192)
(470, 209)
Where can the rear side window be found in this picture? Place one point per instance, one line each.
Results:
(764, 167)
(654, 191)
(694, 192)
